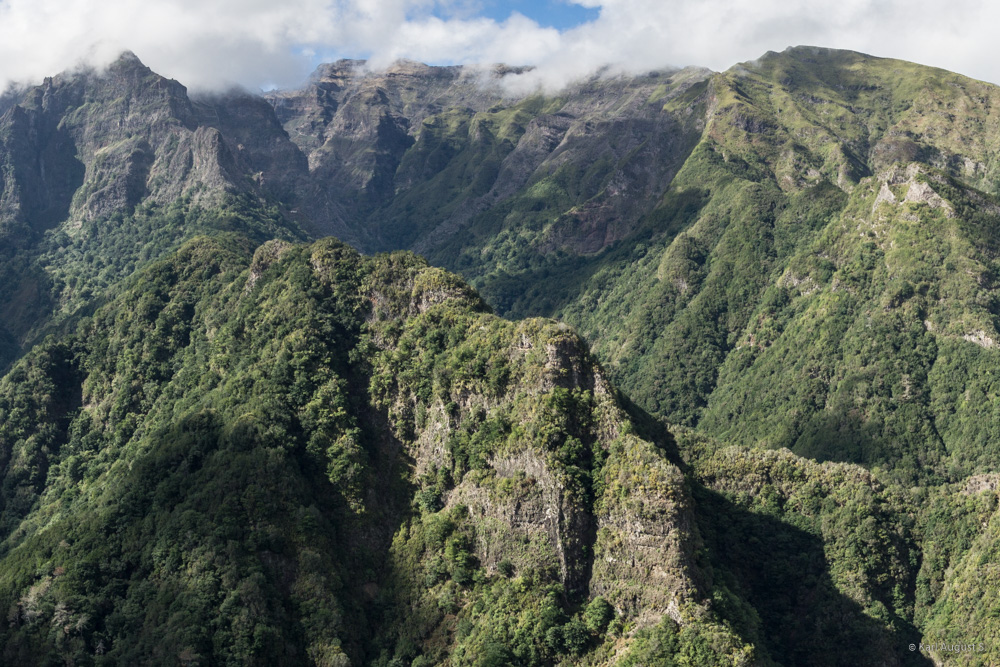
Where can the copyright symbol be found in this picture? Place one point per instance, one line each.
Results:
(913, 647)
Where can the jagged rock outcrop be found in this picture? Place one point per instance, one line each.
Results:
(381, 141)
(86, 144)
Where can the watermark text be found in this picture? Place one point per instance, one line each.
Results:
(949, 647)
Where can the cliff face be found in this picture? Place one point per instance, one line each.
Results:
(88, 158)
(421, 155)
(95, 143)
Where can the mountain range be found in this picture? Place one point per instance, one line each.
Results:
(700, 368)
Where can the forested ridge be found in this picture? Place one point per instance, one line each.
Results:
(317, 457)
(227, 439)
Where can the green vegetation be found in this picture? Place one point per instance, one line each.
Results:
(313, 457)
(816, 563)
(219, 445)
(807, 281)
(69, 269)
(798, 252)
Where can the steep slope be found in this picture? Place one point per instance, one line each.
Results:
(87, 144)
(811, 265)
(91, 158)
(442, 161)
(354, 130)
(300, 455)
(313, 457)
(709, 233)
(814, 563)
(794, 245)
(958, 577)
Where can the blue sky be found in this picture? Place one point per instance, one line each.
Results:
(560, 15)
(547, 13)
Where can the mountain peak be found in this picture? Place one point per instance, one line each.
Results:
(128, 57)
(128, 63)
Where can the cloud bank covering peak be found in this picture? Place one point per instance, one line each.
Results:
(208, 44)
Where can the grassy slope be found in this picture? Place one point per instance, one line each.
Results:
(758, 265)
(778, 298)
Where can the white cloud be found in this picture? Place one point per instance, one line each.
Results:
(208, 43)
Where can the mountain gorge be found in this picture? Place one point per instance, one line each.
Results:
(225, 439)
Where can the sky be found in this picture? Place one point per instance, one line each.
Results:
(262, 44)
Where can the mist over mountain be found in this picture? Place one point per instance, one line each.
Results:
(700, 367)
(212, 45)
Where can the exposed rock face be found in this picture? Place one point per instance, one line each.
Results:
(884, 195)
(371, 138)
(980, 338)
(42, 173)
(84, 151)
(916, 181)
(354, 129)
(979, 483)
(538, 512)
(626, 535)
(85, 145)
(644, 552)
(263, 258)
